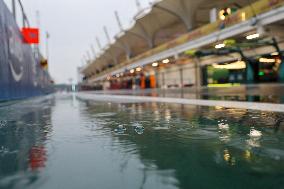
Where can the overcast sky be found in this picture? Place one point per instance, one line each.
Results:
(73, 26)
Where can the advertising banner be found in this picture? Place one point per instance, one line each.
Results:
(21, 75)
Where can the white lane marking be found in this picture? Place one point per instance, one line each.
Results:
(226, 104)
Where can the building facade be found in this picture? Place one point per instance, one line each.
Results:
(187, 43)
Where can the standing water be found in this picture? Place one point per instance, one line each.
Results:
(61, 142)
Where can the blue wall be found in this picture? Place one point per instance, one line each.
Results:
(21, 75)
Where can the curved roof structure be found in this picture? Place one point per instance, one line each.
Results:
(164, 21)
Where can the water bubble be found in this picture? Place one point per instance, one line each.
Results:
(3, 123)
(223, 126)
(255, 133)
(139, 129)
(120, 129)
(4, 151)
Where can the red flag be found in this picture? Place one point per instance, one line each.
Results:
(30, 35)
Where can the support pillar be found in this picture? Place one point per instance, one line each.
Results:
(133, 82)
(14, 8)
(181, 77)
(249, 73)
(157, 75)
(163, 79)
(281, 71)
(142, 82)
(197, 75)
(153, 83)
(281, 66)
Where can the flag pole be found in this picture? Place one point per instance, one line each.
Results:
(47, 46)
(14, 8)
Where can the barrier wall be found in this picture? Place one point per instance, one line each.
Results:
(21, 75)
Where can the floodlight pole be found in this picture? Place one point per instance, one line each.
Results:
(99, 43)
(14, 8)
(38, 46)
(118, 20)
(107, 35)
(93, 51)
(85, 58)
(89, 56)
(138, 5)
(47, 45)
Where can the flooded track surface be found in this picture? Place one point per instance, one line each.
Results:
(61, 142)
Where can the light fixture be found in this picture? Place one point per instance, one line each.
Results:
(232, 66)
(117, 75)
(275, 54)
(132, 71)
(224, 13)
(166, 61)
(253, 36)
(243, 15)
(219, 46)
(267, 60)
(155, 64)
(222, 17)
(139, 69)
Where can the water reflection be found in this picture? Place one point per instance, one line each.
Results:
(229, 158)
(22, 141)
(66, 143)
(37, 158)
(193, 143)
(257, 93)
